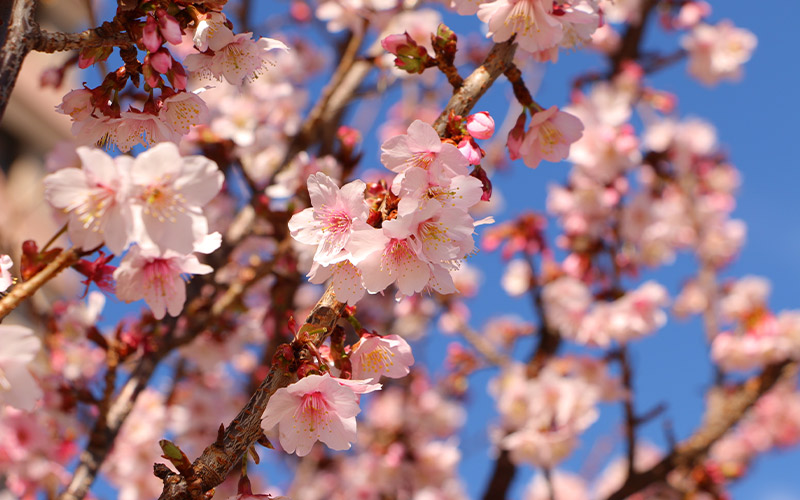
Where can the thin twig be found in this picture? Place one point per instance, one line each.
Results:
(25, 289)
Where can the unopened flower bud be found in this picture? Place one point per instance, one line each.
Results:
(470, 152)
(480, 125)
(515, 138)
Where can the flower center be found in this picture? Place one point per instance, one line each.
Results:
(162, 202)
(379, 360)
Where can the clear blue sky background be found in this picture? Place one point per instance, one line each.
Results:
(756, 122)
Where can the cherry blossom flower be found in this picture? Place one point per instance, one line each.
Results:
(516, 280)
(718, 52)
(211, 32)
(373, 356)
(333, 217)
(315, 408)
(6, 280)
(18, 346)
(242, 59)
(399, 259)
(181, 111)
(554, 411)
(566, 301)
(421, 147)
(136, 127)
(345, 279)
(95, 199)
(146, 274)
(466, 7)
(168, 193)
(531, 20)
(549, 136)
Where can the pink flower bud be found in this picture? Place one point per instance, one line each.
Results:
(515, 137)
(169, 27)
(150, 37)
(469, 151)
(393, 43)
(161, 61)
(480, 125)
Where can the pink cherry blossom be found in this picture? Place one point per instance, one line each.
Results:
(332, 219)
(374, 356)
(480, 125)
(135, 127)
(242, 59)
(182, 111)
(549, 136)
(315, 408)
(6, 280)
(718, 52)
(532, 22)
(18, 347)
(346, 280)
(168, 192)
(95, 200)
(421, 147)
(566, 301)
(399, 259)
(211, 32)
(158, 279)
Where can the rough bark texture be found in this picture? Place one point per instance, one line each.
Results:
(476, 84)
(217, 460)
(15, 43)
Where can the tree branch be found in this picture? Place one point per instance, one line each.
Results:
(15, 43)
(477, 83)
(718, 421)
(24, 290)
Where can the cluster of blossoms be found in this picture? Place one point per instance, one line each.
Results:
(759, 336)
(323, 407)
(542, 417)
(413, 235)
(154, 203)
(97, 114)
(568, 304)
(540, 26)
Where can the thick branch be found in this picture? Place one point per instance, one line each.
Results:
(221, 456)
(24, 290)
(14, 44)
(718, 422)
(108, 34)
(477, 83)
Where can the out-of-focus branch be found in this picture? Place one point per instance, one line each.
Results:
(630, 416)
(24, 290)
(20, 34)
(343, 84)
(113, 414)
(630, 48)
(483, 346)
(719, 420)
(17, 25)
